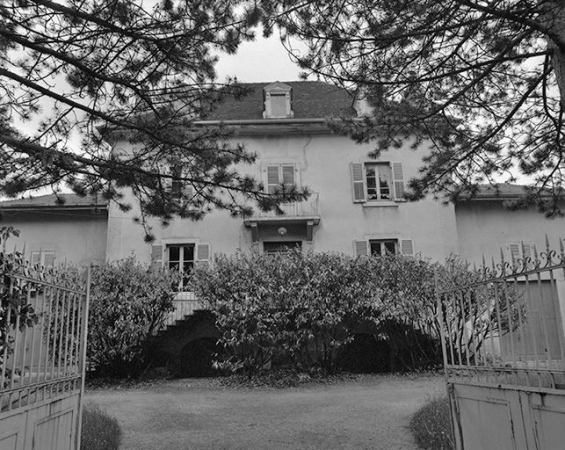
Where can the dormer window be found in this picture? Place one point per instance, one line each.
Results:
(278, 101)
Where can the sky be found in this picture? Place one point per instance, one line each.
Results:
(259, 60)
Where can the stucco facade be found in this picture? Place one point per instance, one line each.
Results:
(52, 234)
(332, 219)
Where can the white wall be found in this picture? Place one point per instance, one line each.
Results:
(324, 166)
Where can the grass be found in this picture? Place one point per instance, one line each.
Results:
(431, 425)
(100, 431)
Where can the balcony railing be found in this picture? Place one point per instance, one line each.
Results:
(306, 208)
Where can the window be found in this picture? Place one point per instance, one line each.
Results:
(272, 248)
(180, 188)
(520, 250)
(383, 247)
(377, 181)
(280, 175)
(375, 247)
(43, 258)
(181, 257)
(278, 104)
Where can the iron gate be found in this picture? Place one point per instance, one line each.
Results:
(42, 367)
(503, 348)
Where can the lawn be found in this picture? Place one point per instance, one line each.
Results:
(371, 412)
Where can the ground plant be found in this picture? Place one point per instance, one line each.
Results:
(129, 302)
(100, 430)
(431, 425)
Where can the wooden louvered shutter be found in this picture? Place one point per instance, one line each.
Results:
(35, 258)
(358, 183)
(273, 179)
(407, 247)
(202, 254)
(288, 176)
(156, 256)
(361, 248)
(49, 259)
(398, 178)
(515, 253)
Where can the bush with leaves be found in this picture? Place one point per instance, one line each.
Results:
(100, 430)
(297, 307)
(129, 302)
(307, 308)
(15, 311)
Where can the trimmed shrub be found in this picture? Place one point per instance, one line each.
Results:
(296, 307)
(100, 431)
(129, 302)
(431, 425)
(306, 308)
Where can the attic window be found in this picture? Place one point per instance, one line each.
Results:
(278, 101)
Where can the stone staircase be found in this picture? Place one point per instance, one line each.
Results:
(190, 322)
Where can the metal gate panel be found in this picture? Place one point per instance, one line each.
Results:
(503, 345)
(42, 374)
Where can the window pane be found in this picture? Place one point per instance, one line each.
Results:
(390, 247)
(188, 253)
(375, 248)
(281, 247)
(384, 181)
(174, 253)
(278, 105)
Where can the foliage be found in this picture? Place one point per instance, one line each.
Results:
(431, 425)
(15, 312)
(482, 83)
(308, 308)
(301, 307)
(128, 303)
(120, 69)
(100, 430)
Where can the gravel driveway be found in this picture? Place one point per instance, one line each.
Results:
(371, 412)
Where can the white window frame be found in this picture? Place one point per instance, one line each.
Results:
(360, 191)
(404, 245)
(266, 243)
(202, 253)
(40, 257)
(265, 167)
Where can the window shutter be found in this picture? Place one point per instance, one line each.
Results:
(514, 248)
(49, 259)
(272, 178)
(202, 254)
(361, 248)
(407, 247)
(288, 175)
(398, 177)
(156, 256)
(358, 183)
(35, 258)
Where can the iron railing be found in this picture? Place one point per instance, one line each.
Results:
(503, 323)
(43, 355)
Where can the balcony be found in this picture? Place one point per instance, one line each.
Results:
(298, 214)
(292, 211)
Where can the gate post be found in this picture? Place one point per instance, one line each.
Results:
(84, 336)
(455, 430)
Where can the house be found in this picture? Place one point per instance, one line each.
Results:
(356, 207)
(58, 229)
